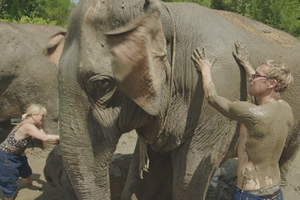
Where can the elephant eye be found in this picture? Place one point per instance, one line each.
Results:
(103, 85)
(99, 86)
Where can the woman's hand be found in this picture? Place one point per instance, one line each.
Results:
(53, 139)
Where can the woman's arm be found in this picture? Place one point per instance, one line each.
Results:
(40, 134)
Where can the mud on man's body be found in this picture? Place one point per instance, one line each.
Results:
(264, 127)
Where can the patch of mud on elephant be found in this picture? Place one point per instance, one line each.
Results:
(127, 65)
(26, 75)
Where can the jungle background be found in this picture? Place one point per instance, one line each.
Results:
(280, 14)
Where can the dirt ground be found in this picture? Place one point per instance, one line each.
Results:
(40, 189)
(220, 189)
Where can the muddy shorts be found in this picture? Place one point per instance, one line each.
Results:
(239, 194)
(12, 166)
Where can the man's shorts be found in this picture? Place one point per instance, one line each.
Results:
(239, 194)
(12, 166)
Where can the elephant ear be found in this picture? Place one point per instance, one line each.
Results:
(139, 61)
(55, 47)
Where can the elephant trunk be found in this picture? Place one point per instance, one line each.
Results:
(86, 166)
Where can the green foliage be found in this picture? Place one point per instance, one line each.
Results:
(290, 18)
(54, 12)
(35, 20)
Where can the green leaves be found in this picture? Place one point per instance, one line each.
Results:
(54, 12)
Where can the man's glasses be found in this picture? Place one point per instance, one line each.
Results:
(254, 76)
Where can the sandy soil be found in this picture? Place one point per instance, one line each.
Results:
(220, 189)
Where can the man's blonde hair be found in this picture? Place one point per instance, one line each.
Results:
(34, 109)
(281, 73)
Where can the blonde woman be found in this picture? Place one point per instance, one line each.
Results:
(13, 161)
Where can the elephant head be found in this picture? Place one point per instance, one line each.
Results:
(26, 75)
(127, 65)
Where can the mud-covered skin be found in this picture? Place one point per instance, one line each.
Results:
(187, 138)
(263, 131)
(261, 143)
(26, 75)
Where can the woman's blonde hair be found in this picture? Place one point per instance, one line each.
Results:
(281, 73)
(34, 109)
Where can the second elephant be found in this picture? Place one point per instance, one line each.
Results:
(26, 74)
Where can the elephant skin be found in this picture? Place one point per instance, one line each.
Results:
(127, 65)
(56, 175)
(26, 75)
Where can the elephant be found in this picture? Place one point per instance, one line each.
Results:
(127, 65)
(56, 175)
(26, 75)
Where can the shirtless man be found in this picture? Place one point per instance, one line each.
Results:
(264, 127)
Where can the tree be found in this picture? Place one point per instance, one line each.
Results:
(58, 10)
(36, 11)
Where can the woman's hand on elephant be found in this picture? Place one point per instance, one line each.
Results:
(241, 54)
(54, 142)
(200, 60)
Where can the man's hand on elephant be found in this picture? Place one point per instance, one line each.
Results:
(242, 57)
(241, 54)
(200, 60)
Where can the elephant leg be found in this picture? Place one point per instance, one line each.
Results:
(193, 169)
(156, 183)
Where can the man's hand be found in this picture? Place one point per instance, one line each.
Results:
(204, 66)
(242, 57)
(241, 54)
(200, 60)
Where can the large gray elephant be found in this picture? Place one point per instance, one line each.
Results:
(158, 92)
(26, 75)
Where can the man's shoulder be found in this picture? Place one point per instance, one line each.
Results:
(285, 104)
(286, 110)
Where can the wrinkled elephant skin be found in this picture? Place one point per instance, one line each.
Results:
(112, 80)
(56, 175)
(26, 74)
